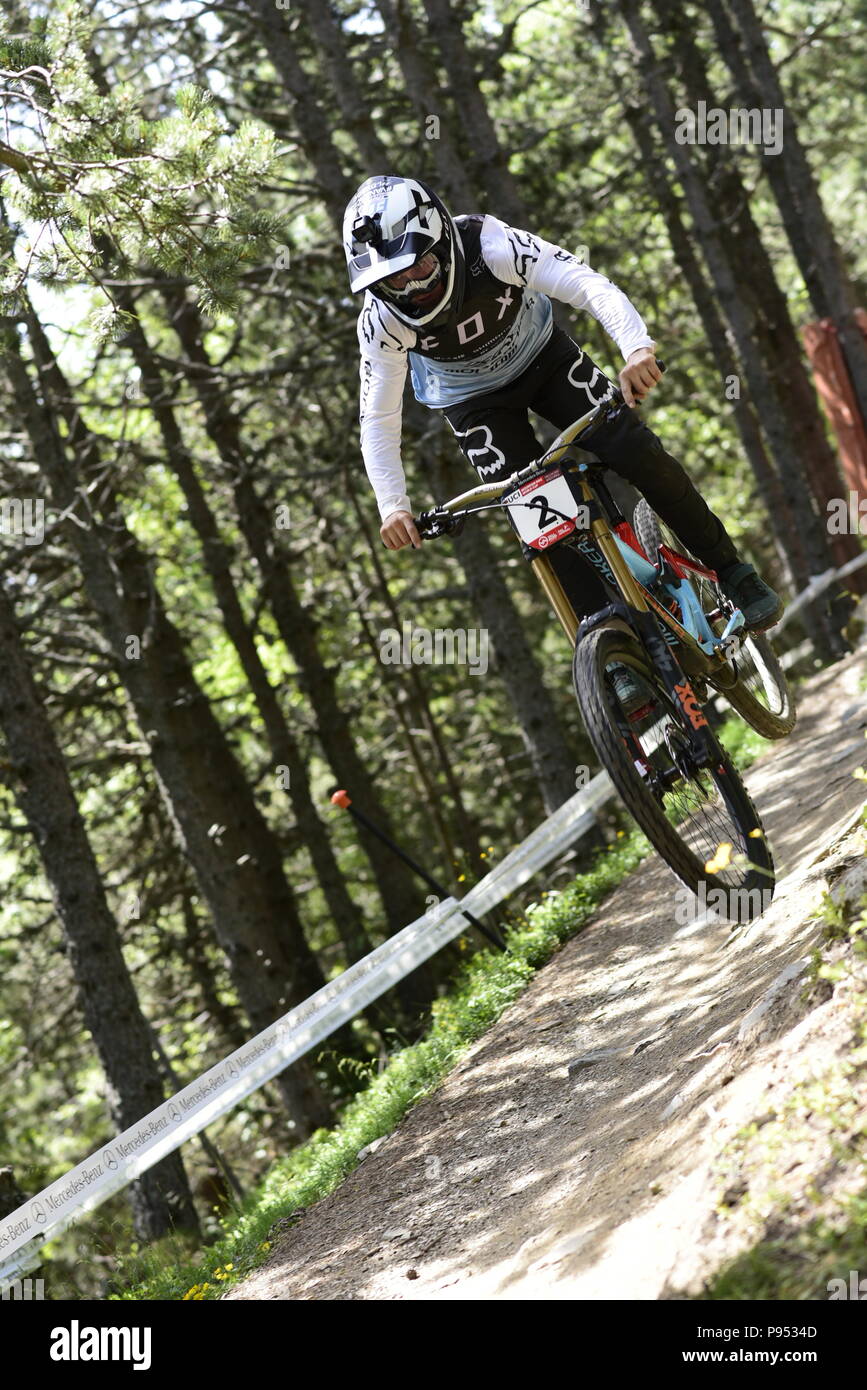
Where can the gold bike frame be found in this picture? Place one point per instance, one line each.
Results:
(633, 592)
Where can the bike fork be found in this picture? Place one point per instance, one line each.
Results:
(646, 628)
(677, 684)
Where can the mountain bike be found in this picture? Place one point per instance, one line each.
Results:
(646, 662)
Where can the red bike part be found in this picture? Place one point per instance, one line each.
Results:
(628, 536)
(682, 566)
(679, 563)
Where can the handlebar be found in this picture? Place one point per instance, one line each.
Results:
(442, 519)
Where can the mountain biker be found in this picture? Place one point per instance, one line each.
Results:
(465, 301)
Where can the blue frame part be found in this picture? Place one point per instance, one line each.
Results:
(692, 614)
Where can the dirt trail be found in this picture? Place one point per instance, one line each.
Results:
(521, 1177)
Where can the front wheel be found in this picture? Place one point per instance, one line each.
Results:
(700, 820)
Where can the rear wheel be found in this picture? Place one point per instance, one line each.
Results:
(701, 820)
(759, 691)
(761, 695)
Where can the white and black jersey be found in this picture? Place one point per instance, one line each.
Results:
(504, 322)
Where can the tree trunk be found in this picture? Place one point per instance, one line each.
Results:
(425, 97)
(224, 1016)
(397, 695)
(483, 151)
(217, 557)
(468, 829)
(352, 100)
(401, 899)
(232, 851)
(313, 126)
(160, 1198)
(789, 550)
(794, 186)
(782, 440)
(777, 337)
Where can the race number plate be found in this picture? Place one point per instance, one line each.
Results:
(548, 510)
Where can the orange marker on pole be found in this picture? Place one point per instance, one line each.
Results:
(343, 800)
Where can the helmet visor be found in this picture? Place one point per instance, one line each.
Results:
(421, 284)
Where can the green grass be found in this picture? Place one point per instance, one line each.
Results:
(485, 986)
(801, 1265)
(742, 743)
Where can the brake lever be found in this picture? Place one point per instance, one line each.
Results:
(437, 522)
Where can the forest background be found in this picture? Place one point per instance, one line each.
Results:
(194, 593)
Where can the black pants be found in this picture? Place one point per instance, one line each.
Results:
(561, 384)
